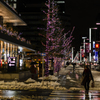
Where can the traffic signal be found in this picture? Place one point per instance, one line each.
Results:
(96, 46)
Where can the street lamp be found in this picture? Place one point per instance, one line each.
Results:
(84, 46)
(72, 54)
(97, 23)
(90, 43)
(80, 54)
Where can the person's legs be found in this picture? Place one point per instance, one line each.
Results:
(87, 87)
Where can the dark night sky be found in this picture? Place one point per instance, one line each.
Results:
(83, 16)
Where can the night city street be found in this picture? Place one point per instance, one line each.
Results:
(49, 50)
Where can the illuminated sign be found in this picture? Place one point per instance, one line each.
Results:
(93, 44)
(96, 56)
(11, 63)
(43, 54)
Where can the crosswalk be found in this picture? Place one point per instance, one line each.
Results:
(73, 95)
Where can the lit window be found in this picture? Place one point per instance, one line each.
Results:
(15, 0)
(14, 5)
(60, 1)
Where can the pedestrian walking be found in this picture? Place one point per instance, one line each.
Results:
(86, 78)
(33, 70)
(74, 64)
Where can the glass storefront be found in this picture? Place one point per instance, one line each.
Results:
(11, 50)
(7, 50)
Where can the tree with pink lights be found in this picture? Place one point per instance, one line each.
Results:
(57, 44)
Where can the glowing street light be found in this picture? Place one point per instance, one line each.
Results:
(72, 54)
(84, 46)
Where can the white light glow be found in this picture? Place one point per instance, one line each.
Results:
(97, 23)
(60, 1)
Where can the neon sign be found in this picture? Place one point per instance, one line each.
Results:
(11, 61)
(11, 64)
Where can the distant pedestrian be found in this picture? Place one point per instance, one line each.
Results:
(74, 64)
(87, 77)
(33, 70)
(67, 63)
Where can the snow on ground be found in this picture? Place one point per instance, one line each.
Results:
(23, 86)
(50, 77)
(30, 80)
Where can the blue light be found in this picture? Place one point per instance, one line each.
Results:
(96, 55)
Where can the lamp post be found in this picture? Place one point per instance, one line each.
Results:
(84, 47)
(80, 54)
(72, 54)
(90, 43)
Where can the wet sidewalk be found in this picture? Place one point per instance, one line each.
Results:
(72, 79)
(74, 95)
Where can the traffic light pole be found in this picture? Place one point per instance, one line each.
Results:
(97, 50)
(90, 45)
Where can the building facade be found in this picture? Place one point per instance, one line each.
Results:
(12, 45)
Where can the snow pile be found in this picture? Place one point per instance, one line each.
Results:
(68, 77)
(2, 82)
(30, 80)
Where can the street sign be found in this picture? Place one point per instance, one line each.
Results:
(43, 54)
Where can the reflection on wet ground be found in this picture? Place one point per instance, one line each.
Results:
(25, 95)
(49, 95)
(74, 95)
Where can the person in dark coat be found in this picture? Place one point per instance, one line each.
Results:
(33, 70)
(87, 78)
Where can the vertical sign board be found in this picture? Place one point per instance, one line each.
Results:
(96, 55)
(11, 64)
(87, 48)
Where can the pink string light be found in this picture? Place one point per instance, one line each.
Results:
(56, 43)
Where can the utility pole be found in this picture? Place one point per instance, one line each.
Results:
(80, 54)
(72, 53)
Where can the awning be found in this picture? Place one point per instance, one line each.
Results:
(10, 16)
